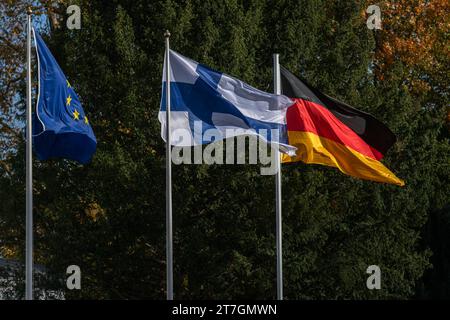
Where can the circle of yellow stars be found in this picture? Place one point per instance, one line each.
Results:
(75, 114)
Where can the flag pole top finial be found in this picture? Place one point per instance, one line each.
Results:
(167, 34)
(29, 10)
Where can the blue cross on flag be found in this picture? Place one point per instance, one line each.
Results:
(203, 99)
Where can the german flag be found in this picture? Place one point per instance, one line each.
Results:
(329, 132)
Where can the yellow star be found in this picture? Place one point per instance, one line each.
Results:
(68, 84)
(76, 115)
(68, 100)
(86, 120)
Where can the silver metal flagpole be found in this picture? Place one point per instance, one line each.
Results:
(169, 234)
(29, 175)
(277, 90)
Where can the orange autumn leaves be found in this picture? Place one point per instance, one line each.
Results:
(415, 32)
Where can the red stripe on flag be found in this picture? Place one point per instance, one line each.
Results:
(311, 117)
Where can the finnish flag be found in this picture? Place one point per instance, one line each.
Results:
(203, 99)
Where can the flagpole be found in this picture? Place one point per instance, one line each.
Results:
(169, 234)
(29, 175)
(277, 90)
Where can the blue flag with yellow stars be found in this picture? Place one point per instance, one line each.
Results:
(61, 128)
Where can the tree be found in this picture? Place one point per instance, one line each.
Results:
(108, 217)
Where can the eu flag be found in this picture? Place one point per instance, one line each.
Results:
(61, 128)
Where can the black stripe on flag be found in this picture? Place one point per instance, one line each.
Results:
(371, 130)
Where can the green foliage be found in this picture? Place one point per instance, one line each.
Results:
(109, 217)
